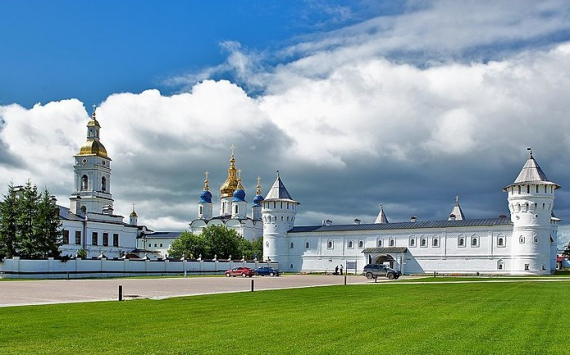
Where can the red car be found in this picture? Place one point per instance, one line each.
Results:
(240, 271)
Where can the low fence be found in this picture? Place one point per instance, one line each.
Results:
(51, 268)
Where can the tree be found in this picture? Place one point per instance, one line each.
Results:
(566, 251)
(223, 241)
(190, 245)
(8, 224)
(29, 226)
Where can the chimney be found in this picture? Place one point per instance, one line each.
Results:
(413, 219)
(356, 221)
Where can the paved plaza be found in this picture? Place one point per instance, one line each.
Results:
(34, 292)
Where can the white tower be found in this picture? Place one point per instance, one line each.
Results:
(278, 214)
(531, 199)
(205, 206)
(133, 217)
(92, 175)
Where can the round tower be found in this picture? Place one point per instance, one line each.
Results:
(278, 215)
(133, 217)
(531, 200)
(205, 207)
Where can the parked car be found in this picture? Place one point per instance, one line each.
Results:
(266, 270)
(239, 271)
(372, 271)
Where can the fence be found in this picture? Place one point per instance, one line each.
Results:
(50, 268)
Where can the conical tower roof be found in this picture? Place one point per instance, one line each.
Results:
(381, 216)
(279, 192)
(532, 173)
(456, 211)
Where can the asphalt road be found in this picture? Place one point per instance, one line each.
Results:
(35, 292)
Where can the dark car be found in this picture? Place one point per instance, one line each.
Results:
(239, 271)
(266, 270)
(372, 271)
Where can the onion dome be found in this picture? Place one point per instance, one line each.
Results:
(93, 146)
(239, 194)
(258, 199)
(133, 214)
(231, 183)
(206, 195)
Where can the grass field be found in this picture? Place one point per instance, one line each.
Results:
(462, 318)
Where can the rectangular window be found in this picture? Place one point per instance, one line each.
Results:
(115, 240)
(65, 236)
(527, 267)
(94, 238)
(105, 239)
(77, 237)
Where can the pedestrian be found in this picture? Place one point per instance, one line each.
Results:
(341, 269)
(336, 270)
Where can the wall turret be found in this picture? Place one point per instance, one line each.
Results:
(531, 200)
(278, 214)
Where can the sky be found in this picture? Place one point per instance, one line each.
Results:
(407, 104)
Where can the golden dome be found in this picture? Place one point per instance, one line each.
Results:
(231, 183)
(92, 147)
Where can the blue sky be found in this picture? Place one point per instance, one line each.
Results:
(88, 50)
(357, 103)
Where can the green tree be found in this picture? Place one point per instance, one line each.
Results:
(191, 245)
(8, 224)
(29, 226)
(223, 241)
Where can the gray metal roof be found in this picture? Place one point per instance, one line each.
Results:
(531, 172)
(278, 191)
(385, 250)
(404, 225)
(162, 235)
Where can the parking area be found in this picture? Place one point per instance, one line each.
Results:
(35, 292)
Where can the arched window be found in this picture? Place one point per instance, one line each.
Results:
(236, 209)
(84, 182)
(474, 242)
(392, 242)
(412, 242)
(103, 184)
(330, 244)
(423, 242)
(501, 242)
(379, 243)
(360, 243)
(461, 242)
(521, 239)
(350, 244)
(435, 242)
(292, 245)
(307, 245)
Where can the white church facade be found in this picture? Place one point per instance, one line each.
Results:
(524, 244)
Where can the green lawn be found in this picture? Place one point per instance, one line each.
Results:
(477, 318)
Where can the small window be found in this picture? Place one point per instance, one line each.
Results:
(307, 245)
(105, 239)
(423, 242)
(201, 209)
(474, 241)
(360, 244)
(103, 184)
(501, 242)
(267, 243)
(392, 242)
(292, 245)
(330, 244)
(521, 239)
(543, 267)
(535, 239)
(350, 244)
(461, 242)
(65, 236)
(115, 240)
(527, 267)
(379, 243)
(435, 242)
(412, 242)
(84, 182)
(77, 237)
(94, 238)
(161, 245)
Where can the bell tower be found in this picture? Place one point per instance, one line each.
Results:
(531, 200)
(92, 172)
